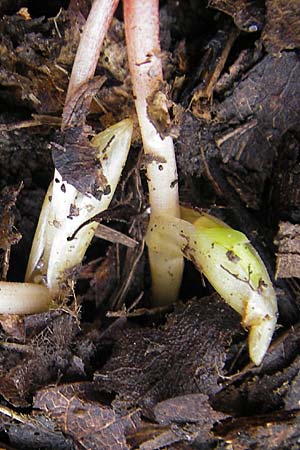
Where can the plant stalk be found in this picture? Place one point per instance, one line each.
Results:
(144, 56)
(87, 55)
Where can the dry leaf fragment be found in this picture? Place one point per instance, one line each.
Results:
(91, 422)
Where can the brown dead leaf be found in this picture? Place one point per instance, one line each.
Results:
(78, 164)
(192, 414)
(33, 431)
(268, 387)
(153, 437)
(194, 408)
(77, 160)
(78, 105)
(263, 394)
(80, 413)
(158, 113)
(282, 29)
(182, 420)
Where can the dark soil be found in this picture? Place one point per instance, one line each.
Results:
(106, 371)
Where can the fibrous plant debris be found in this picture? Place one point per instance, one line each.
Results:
(44, 357)
(108, 371)
(8, 234)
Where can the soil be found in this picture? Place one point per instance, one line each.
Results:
(107, 371)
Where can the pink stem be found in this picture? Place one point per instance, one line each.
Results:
(142, 35)
(89, 48)
(144, 57)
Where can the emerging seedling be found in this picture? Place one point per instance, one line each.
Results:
(142, 36)
(230, 263)
(60, 240)
(57, 246)
(94, 32)
(144, 56)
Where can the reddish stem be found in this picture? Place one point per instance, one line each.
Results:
(144, 57)
(91, 41)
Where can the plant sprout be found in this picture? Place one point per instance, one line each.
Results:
(142, 36)
(55, 251)
(144, 56)
(57, 247)
(230, 263)
(90, 44)
(66, 225)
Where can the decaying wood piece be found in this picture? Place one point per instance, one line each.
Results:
(288, 256)
(212, 64)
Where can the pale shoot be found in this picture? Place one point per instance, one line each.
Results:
(144, 57)
(23, 298)
(58, 247)
(90, 45)
(230, 263)
(61, 241)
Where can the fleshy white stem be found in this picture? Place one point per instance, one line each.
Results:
(54, 251)
(23, 298)
(142, 36)
(230, 263)
(89, 48)
(60, 244)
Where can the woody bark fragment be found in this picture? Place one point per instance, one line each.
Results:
(288, 256)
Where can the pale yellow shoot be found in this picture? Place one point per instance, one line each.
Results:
(230, 263)
(58, 246)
